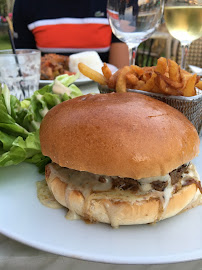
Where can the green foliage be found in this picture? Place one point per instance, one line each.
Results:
(20, 121)
(3, 8)
(4, 42)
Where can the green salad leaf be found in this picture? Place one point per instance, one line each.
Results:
(20, 121)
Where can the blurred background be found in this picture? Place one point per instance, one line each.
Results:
(6, 9)
(160, 44)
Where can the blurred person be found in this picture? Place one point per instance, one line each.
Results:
(67, 27)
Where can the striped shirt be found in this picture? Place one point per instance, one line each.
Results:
(63, 26)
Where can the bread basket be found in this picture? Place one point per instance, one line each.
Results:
(191, 107)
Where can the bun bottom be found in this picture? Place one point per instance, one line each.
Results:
(121, 207)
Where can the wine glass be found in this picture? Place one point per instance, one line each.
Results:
(134, 21)
(183, 19)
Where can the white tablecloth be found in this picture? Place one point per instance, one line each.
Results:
(14, 255)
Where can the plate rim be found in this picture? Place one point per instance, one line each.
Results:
(149, 260)
(79, 81)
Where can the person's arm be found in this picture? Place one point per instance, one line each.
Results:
(23, 38)
(118, 55)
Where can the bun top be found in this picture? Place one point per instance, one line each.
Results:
(118, 134)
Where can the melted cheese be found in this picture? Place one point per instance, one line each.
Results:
(91, 187)
(85, 182)
(71, 215)
(88, 183)
(45, 196)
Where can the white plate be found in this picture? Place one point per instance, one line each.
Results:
(78, 81)
(196, 70)
(23, 218)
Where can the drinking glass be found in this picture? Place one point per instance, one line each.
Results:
(183, 19)
(20, 71)
(134, 21)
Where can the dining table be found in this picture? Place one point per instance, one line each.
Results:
(16, 255)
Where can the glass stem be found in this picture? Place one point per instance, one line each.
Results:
(132, 55)
(185, 49)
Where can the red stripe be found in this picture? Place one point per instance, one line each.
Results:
(73, 36)
(113, 14)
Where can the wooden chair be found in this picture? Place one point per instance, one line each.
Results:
(150, 50)
(145, 55)
(194, 56)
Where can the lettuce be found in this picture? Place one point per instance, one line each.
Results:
(20, 121)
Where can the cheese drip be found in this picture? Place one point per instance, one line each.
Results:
(90, 186)
(45, 196)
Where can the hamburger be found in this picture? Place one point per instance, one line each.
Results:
(120, 158)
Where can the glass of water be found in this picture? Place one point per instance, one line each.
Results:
(20, 71)
(134, 21)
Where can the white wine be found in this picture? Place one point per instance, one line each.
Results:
(184, 22)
